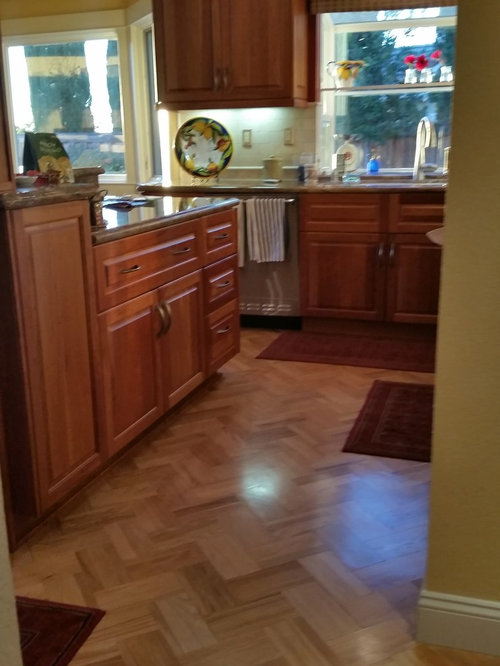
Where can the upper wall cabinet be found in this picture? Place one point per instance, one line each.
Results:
(6, 173)
(231, 53)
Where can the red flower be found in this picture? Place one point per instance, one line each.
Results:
(437, 54)
(410, 59)
(422, 62)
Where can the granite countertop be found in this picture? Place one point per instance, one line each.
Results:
(41, 196)
(123, 219)
(292, 187)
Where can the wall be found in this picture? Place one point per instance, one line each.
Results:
(268, 138)
(10, 9)
(463, 562)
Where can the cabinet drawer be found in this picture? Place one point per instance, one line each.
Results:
(220, 283)
(357, 212)
(416, 212)
(131, 266)
(220, 237)
(223, 335)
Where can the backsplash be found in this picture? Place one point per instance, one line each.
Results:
(288, 133)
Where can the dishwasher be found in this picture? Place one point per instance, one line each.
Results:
(272, 289)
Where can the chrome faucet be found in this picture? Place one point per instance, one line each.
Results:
(426, 138)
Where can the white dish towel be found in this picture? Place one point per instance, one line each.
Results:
(265, 222)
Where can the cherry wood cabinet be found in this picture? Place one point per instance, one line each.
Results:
(48, 356)
(365, 256)
(231, 53)
(6, 171)
(160, 293)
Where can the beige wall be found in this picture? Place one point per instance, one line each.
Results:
(465, 497)
(10, 9)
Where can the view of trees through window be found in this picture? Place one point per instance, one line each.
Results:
(382, 118)
(73, 90)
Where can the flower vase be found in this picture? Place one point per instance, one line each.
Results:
(426, 75)
(410, 75)
(446, 74)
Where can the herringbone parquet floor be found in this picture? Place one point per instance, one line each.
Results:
(237, 533)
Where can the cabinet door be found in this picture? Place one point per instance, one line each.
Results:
(223, 335)
(131, 368)
(262, 56)
(342, 275)
(413, 279)
(185, 37)
(51, 253)
(181, 341)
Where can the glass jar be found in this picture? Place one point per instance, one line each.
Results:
(410, 75)
(446, 73)
(426, 75)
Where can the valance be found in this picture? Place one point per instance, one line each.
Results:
(326, 6)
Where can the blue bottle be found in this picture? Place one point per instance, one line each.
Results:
(373, 165)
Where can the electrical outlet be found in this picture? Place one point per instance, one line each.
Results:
(246, 138)
(289, 136)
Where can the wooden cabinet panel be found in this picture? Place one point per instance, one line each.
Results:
(242, 53)
(50, 247)
(131, 368)
(413, 279)
(131, 266)
(181, 344)
(220, 283)
(220, 236)
(416, 212)
(342, 212)
(342, 275)
(223, 335)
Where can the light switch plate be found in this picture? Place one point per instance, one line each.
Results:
(246, 138)
(288, 136)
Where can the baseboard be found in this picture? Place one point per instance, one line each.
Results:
(459, 622)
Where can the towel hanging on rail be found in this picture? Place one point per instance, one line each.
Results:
(265, 225)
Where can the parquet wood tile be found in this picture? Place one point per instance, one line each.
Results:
(237, 532)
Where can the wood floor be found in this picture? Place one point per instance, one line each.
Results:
(238, 534)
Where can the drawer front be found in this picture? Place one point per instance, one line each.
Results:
(223, 335)
(220, 283)
(131, 266)
(356, 212)
(416, 212)
(220, 236)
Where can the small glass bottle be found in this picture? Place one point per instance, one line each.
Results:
(373, 164)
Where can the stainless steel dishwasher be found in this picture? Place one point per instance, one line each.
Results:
(272, 289)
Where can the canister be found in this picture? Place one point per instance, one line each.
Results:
(273, 167)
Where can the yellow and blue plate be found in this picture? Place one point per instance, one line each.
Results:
(203, 147)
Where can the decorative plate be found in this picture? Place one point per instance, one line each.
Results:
(203, 147)
(351, 156)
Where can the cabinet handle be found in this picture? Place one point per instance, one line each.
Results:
(221, 236)
(380, 254)
(222, 285)
(225, 78)
(392, 254)
(217, 79)
(221, 331)
(183, 251)
(163, 323)
(132, 269)
(168, 310)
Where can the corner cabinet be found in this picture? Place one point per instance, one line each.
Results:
(48, 357)
(365, 256)
(231, 53)
(159, 293)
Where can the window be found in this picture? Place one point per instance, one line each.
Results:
(71, 88)
(379, 113)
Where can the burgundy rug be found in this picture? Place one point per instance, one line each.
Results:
(370, 352)
(52, 633)
(394, 422)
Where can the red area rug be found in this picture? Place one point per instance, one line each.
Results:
(394, 422)
(52, 633)
(415, 355)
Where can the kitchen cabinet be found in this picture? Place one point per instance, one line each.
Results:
(48, 357)
(6, 172)
(157, 293)
(365, 256)
(231, 53)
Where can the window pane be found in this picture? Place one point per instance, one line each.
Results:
(73, 90)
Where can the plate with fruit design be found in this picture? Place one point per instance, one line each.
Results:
(203, 147)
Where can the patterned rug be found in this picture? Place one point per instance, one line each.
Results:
(52, 633)
(416, 355)
(394, 422)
